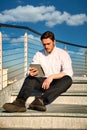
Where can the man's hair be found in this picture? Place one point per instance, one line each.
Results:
(48, 34)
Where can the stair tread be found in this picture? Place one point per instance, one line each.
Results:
(53, 110)
(76, 93)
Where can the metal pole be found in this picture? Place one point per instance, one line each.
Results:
(1, 71)
(25, 54)
(86, 62)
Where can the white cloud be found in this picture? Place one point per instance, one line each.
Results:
(6, 37)
(31, 39)
(48, 14)
(17, 40)
(78, 19)
(80, 52)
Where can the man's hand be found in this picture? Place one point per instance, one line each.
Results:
(33, 71)
(47, 82)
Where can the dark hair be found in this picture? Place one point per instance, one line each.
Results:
(48, 34)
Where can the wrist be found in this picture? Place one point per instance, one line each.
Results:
(51, 77)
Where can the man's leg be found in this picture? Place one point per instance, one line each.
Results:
(29, 84)
(57, 87)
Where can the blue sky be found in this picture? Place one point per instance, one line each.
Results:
(66, 18)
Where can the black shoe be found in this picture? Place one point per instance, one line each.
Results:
(16, 106)
(38, 105)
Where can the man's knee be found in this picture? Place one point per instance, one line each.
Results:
(67, 82)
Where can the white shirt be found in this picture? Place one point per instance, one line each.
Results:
(55, 62)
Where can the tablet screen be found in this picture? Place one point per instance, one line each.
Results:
(40, 70)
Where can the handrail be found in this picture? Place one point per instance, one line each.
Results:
(20, 27)
(32, 30)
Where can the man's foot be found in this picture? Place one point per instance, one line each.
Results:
(38, 105)
(16, 106)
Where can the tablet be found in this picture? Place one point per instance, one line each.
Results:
(39, 68)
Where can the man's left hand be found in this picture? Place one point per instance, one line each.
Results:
(47, 82)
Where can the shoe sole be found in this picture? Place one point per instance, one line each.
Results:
(13, 108)
(38, 108)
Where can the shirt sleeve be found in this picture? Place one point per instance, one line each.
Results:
(36, 58)
(67, 64)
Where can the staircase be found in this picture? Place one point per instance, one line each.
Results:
(67, 112)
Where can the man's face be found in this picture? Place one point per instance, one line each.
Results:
(48, 44)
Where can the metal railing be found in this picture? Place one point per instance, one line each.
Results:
(18, 44)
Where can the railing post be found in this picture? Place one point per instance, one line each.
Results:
(25, 54)
(86, 62)
(1, 71)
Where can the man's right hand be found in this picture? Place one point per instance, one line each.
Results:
(33, 71)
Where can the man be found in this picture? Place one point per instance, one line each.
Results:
(57, 66)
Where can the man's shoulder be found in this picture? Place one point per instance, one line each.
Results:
(62, 53)
(40, 52)
(60, 50)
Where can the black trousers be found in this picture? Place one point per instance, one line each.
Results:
(57, 87)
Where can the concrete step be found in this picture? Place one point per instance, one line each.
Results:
(57, 116)
(63, 99)
(36, 129)
(76, 94)
(77, 88)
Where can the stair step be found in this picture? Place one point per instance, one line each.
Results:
(61, 116)
(65, 98)
(74, 88)
(80, 100)
(39, 129)
(64, 94)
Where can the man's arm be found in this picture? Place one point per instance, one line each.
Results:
(48, 80)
